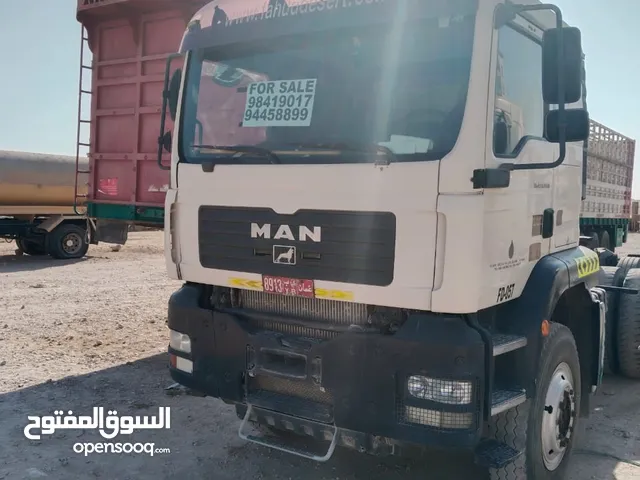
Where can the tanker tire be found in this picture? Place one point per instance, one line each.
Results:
(67, 241)
(628, 331)
(605, 241)
(521, 427)
(30, 248)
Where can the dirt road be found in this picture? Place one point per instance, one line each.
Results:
(83, 334)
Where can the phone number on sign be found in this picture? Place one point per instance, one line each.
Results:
(279, 101)
(270, 115)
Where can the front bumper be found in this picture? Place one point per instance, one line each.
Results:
(355, 382)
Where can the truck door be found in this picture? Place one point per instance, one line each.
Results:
(515, 214)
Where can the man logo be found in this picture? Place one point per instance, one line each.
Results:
(284, 255)
(285, 232)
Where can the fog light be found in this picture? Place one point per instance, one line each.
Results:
(437, 419)
(443, 391)
(180, 363)
(179, 341)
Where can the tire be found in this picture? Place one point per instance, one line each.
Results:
(67, 241)
(607, 277)
(625, 264)
(521, 428)
(628, 331)
(605, 241)
(30, 248)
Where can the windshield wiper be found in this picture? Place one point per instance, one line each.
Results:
(265, 152)
(373, 148)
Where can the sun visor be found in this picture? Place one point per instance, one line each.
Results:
(226, 22)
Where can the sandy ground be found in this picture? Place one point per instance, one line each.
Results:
(80, 334)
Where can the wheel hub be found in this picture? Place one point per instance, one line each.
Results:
(558, 418)
(71, 243)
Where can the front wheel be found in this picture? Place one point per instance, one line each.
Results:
(544, 426)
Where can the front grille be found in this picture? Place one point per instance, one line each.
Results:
(324, 312)
(291, 388)
(295, 330)
(314, 309)
(347, 247)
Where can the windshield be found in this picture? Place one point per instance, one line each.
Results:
(331, 97)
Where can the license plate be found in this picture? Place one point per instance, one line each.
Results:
(288, 286)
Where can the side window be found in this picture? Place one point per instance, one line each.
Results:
(519, 108)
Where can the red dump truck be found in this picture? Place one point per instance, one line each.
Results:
(130, 41)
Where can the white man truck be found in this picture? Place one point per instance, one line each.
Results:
(371, 257)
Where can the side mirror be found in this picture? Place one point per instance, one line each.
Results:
(170, 92)
(165, 141)
(577, 125)
(173, 93)
(500, 137)
(562, 55)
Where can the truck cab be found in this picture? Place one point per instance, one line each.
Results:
(375, 208)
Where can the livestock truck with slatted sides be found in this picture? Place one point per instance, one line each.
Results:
(375, 211)
(606, 209)
(119, 122)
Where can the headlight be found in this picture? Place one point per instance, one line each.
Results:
(179, 341)
(443, 391)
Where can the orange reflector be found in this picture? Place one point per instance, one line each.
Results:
(173, 361)
(546, 328)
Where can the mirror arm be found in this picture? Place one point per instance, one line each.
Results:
(562, 124)
(541, 166)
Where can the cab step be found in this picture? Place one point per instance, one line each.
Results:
(269, 442)
(503, 400)
(504, 343)
(493, 454)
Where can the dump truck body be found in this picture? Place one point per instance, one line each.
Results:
(129, 41)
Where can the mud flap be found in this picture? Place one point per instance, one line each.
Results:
(109, 231)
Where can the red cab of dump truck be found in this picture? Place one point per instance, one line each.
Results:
(130, 41)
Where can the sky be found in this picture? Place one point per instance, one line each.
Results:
(41, 52)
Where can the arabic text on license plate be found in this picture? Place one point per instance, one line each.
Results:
(288, 286)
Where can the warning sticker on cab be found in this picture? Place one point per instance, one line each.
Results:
(280, 103)
(588, 265)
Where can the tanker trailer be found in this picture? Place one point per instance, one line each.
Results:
(37, 204)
